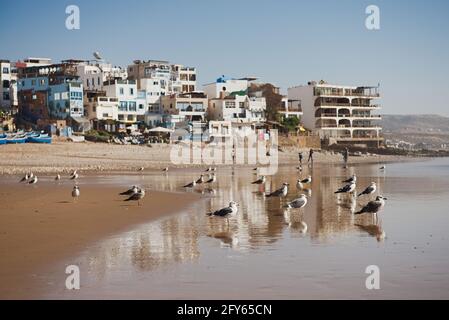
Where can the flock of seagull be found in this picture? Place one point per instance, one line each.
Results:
(136, 193)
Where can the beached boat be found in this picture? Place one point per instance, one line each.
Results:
(3, 140)
(42, 138)
(16, 139)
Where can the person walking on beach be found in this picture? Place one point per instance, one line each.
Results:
(300, 157)
(310, 161)
(345, 157)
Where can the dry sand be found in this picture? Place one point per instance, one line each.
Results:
(40, 225)
(95, 157)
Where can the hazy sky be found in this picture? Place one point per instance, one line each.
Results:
(284, 42)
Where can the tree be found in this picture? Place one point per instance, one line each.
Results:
(291, 123)
(273, 99)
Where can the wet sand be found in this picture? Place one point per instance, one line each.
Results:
(40, 225)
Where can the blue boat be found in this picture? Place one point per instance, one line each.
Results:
(42, 138)
(16, 139)
(2, 140)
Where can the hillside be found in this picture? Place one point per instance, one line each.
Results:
(426, 124)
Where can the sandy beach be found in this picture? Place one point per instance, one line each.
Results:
(41, 225)
(98, 157)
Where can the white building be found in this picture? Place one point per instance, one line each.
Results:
(291, 108)
(340, 114)
(93, 74)
(237, 109)
(184, 108)
(224, 86)
(131, 104)
(5, 84)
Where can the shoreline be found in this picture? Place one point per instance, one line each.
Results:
(63, 157)
(38, 230)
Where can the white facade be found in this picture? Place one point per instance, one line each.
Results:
(131, 105)
(241, 109)
(224, 87)
(291, 108)
(93, 75)
(102, 108)
(5, 84)
(342, 114)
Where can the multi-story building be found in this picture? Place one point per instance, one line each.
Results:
(291, 108)
(94, 74)
(237, 108)
(101, 110)
(5, 85)
(340, 114)
(183, 78)
(131, 102)
(184, 108)
(50, 91)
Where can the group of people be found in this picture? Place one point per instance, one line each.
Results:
(310, 159)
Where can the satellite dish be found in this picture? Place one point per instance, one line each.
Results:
(97, 55)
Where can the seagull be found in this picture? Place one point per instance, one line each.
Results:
(352, 179)
(209, 169)
(299, 185)
(165, 170)
(75, 192)
(214, 169)
(75, 176)
(24, 179)
(299, 168)
(213, 179)
(74, 172)
(383, 167)
(31, 176)
(33, 180)
(307, 180)
(58, 177)
(298, 203)
(227, 212)
(262, 180)
(200, 180)
(373, 206)
(141, 169)
(139, 195)
(349, 188)
(190, 185)
(130, 192)
(281, 192)
(369, 190)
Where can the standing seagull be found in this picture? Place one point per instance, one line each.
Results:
(349, 188)
(165, 170)
(227, 212)
(212, 180)
(33, 180)
(299, 203)
(209, 169)
(262, 180)
(190, 185)
(141, 169)
(75, 193)
(25, 179)
(281, 192)
(75, 176)
(369, 190)
(383, 167)
(200, 180)
(299, 185)
(307, 180)
(352, 179)
(139, 195)
(58, 177)
(373, 206)
(130, 192)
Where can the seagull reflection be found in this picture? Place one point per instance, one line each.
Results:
(227, 238)
(374, 230)
(294, 221)
(208, 191)
(349, 203)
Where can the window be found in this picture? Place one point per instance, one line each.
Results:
(132, 106)
(5, 96)
(141, 106)
(105, 115)
(87, 81)
(42, 82)
(98, 80)
(5, 83)
(131, 91)
(23, 83)
(57, 96)
(6, 70)
(121, 117)
(33, 82)
(64, 95)
(130, 117)
(123, 106)
(34, 97)
(122, 91)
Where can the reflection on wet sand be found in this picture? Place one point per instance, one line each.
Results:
(261, 221)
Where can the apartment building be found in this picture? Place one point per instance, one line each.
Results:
(5, 85)
(50, 91)
(236, 108)
(184, 108)
(93, 74)
(291, 108)
(225, 86)
(131, 102)
(340, 114)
